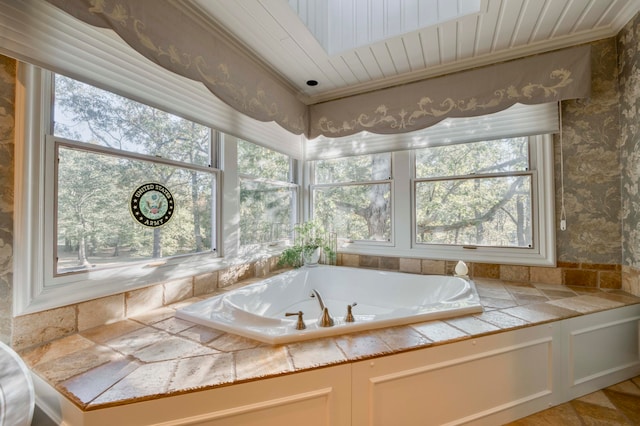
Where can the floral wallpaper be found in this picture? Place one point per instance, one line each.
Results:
(629, 80)
(7, 98)
(591, 167)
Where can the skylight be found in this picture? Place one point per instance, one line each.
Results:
(341, 25)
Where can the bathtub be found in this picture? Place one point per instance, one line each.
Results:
(378, 299)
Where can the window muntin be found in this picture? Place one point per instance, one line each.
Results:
(122, 145)
(267, 196)
(352, 196)
(476, 194)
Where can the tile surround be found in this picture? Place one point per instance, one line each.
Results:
(41, 327)
(154, 354)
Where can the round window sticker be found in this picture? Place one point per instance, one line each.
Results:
(152, 205)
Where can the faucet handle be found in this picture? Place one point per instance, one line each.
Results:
(300, 325)
(349, 317)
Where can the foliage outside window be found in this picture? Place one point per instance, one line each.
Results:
(352, 197)
(106, 146)
(474, 194)
(267, 196)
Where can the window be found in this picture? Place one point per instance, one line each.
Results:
(488, 201)
(106, 147)
(475, 194)
(267, 196)
(115, 194)
(352, 196)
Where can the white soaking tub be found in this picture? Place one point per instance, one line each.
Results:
(378, 299)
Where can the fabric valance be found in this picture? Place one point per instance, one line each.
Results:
(176, 38)
(544, 78)
(167, 35)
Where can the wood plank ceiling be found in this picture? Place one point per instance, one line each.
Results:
(274, 32)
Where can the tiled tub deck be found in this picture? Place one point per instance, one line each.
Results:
(156, 355)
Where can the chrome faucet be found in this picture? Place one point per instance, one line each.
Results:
(325, 320)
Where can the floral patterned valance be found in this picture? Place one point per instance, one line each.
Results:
(563, 74)
(165, 34)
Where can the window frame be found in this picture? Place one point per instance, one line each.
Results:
(35, 178)
(348, 243)
(289, 184)
(543, 252)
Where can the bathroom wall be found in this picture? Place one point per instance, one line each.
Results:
(591, 167)
(7, 99)
(629, 79)
(589, 252)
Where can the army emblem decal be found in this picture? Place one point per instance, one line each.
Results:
(151, 205)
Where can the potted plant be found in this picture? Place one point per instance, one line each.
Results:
(310, 241)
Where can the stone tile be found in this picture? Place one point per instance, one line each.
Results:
(592, 414)
(203, 371)
(626, 403)
(229, 342)
(514, 273)
(56, 349)
(136, 340)
(558, 294)
(235, 273)
(105, 310)
(138, 302)
(562, 414)
(628, 387)
(401, 337)
(412, 266)
(472, 325)
(580, 277)
(205, 283)
(502, 320)
(42, 327)
(433, 267)
(177, 290)
(623, 298)
(85, 387)
(369, 261)
(538, 274)
(261, 362)
(539, 312)
(438, 331)
(490, 303)
(171, 347)
(389, 263)
(173, 325)
(156, 315)
(201, 334)
(315, 353)
(486, 270)
(145, 381)
(609, 279)
(586, 303)
(526, 299)
(108, 332)
(75, 363)
(597, 398)
(361, 345)
(350, 259)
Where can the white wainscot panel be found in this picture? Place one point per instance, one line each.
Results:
(602, 349)
(473, 380)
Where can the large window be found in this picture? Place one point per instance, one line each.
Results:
(488, 201)
(267, 194)
(106, 147)
(475, 194)
(352, 197)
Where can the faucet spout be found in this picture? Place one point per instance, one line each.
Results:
(319, 298)
(325, 319)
